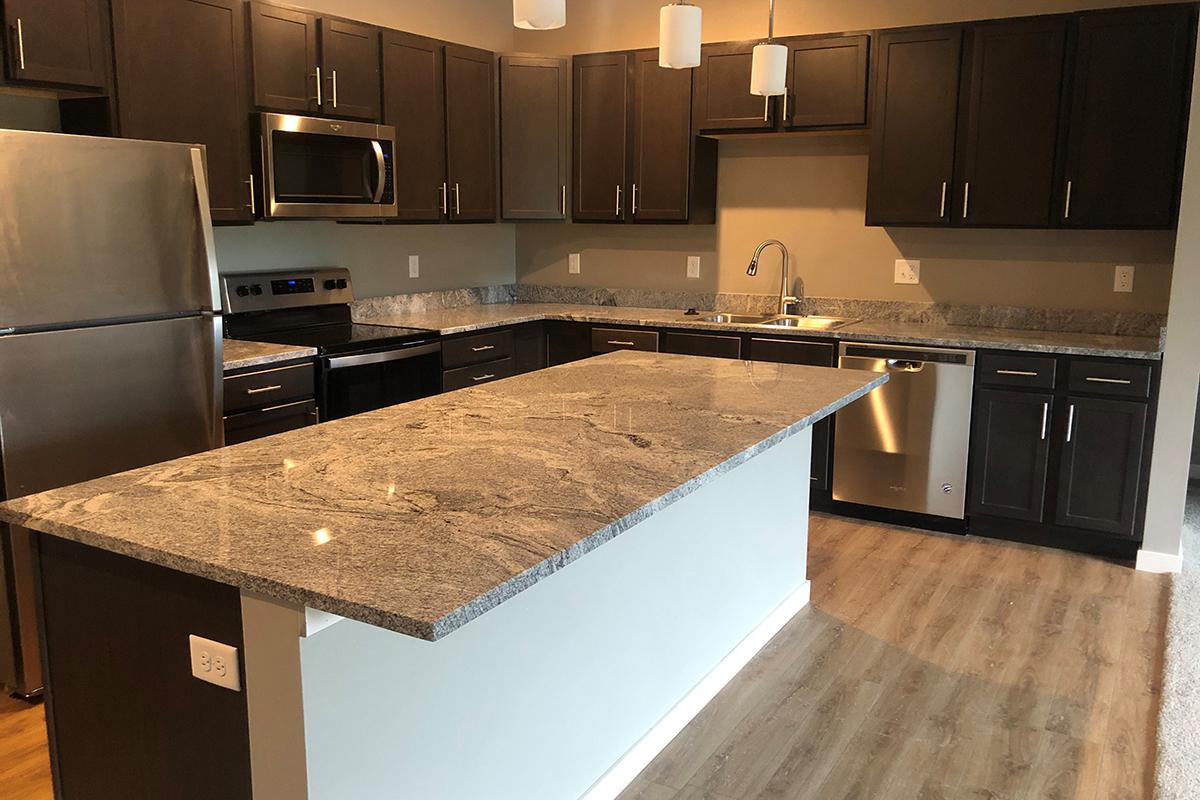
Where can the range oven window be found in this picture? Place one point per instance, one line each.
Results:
(360, 383)
(318, 168)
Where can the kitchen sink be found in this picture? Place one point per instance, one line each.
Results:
(781, 321)
(739, 319)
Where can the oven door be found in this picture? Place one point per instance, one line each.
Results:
(354, 384)
(320, 168)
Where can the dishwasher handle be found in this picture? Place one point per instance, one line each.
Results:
(905, 365)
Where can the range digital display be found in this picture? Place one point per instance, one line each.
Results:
(293, 286)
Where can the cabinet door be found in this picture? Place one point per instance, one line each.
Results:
(567, 342)
(1011, 123)
(662, 141)
(1125, 135)
(350, 69)
(181, 68)
(284, 46)
(1010, 453)
(701, 344)
(913, 127)
(55, 41)
(470, 133)
(1102, 465)
(415, 104)
(601, 134)
(827, 81)
(723, 99)
(533, 137)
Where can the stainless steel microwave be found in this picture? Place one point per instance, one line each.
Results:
(325, 168)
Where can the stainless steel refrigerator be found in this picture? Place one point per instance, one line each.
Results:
(110, 331)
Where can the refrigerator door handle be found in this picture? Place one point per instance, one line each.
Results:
(206, 227)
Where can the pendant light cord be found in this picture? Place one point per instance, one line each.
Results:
(771, 23)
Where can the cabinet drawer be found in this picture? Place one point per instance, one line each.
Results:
(268, 387)
(699, 344)
(1030, 372)
(476, 375)
(1112, 378)
(788, 351)
(490, 346)
(606, 340)
(269, 421)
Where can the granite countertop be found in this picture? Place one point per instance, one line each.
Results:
(420, 517)
(480, 317)
(239, 354)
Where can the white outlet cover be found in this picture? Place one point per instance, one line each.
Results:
(1123, 279)
(908, 271)
(573, 263)
(215, 663)
(693, 267)
(414, 266)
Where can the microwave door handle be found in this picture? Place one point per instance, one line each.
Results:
(381, 170)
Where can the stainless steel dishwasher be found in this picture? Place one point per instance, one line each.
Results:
(904, 446)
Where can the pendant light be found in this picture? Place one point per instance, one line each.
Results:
(768, 71)
(679, 36)
(539, 15)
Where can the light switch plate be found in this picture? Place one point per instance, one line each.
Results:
(573, 263)
(1123, 279)
(693, 269)
(215, 663)
(414, 266)
(908, 271)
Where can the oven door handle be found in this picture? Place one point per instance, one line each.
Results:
(381, 170)
(345, 362)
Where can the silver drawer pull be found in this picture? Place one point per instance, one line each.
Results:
(479, 378)
(1071, 424)
(264, 389)
(1116, 381)
(1018, 372)
(485, 348)
(1045, 419)
(622, 344)
(20, 44)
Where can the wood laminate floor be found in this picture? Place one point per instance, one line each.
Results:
(928, 666)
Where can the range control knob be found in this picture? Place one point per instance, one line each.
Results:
(243, 291)
(256, 290)
(330, 285)
(342, 284)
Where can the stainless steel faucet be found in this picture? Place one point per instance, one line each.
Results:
(788, 304)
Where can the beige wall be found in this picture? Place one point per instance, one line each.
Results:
(809, 190)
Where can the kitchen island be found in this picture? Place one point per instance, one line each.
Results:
(521, 590)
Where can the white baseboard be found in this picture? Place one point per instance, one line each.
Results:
(622, 773)
(1150, 561)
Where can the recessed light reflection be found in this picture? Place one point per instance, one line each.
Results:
(288, 464)
(392, 490)
(322, 536)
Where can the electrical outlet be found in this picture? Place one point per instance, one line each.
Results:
(1123, 279)
(215, 663)
(693, 267)
(908, 271)
(573, 263)
(414, 266)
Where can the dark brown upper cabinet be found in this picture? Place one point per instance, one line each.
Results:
(415, 104)
(662, 137)
(723, 99)
(181, 77)
(827, 81)
(1010, 123)
(601, 137)
(1128, 109)
(350, 63)
(470, 134)
(306, 64)
(534, 116)
(913, 127)
(56, 42)
(284, 45)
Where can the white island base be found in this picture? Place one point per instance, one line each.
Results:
(565, 691)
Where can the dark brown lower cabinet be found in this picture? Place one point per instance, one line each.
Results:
(257, 424)
(567, 342)
(1010, 453)
(701, 344)
(1101, 464)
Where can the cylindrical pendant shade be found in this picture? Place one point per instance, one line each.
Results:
(539, 15)
(679, 36)
(768, 73)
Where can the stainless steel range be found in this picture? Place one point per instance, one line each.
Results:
(360, 367)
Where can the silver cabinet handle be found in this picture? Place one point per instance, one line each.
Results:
(618, 199)
(1067, 205)
(622, 344)
(767, 108)
(966, 197)
(786, 121)
(319, 98)
(445, 199)
(478, 378)
(263, 390)
(564, 200)
(483, 349)
(942, 212)
(1045, 418)
(333, 72)
(1018, 372)
(1116, 381)
(1071, 424)
(634, 205)
(20, 44)
(253, 203)
(457, 201)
